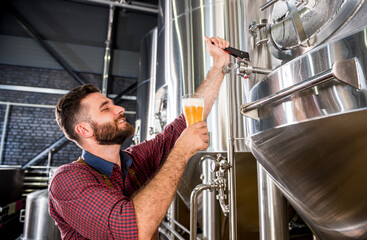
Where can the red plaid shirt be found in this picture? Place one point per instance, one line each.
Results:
(85, 207)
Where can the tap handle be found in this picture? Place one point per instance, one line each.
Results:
(237, 53)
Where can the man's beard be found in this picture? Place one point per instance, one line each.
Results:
(110, 133)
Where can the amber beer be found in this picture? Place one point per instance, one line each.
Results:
(193, 108)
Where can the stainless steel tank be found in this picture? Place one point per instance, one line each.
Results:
(38, 223)
(273, 214)
(307, 123)
(182, 66)
(183, 61)
(145, 124)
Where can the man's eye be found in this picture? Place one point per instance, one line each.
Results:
(104, 109)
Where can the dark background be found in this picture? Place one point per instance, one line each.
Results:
(77, 31)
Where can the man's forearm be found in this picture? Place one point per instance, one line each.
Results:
(152, 202)
(210, 87)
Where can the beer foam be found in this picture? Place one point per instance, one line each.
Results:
(193, 102)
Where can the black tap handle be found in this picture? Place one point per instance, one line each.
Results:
(237, 53)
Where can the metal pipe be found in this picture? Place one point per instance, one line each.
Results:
(178, 224)
(32, 89)
(129, 89)
(345, 71)
(150, 118)
(32, 32)
(173, 231)
(273, 220)
(51, 91)
(211, 223)
(164, 232)
(28, 105)
(232, 191)
(108, 50)
(138, 7)
(268, 4)
(318, 79)
(261, 70)
(4, 132)
(193, 207)
(172, 212)
(49, 161)
(48, 106)
(39, 156)
(232, 205)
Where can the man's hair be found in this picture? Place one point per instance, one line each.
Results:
(69, 111)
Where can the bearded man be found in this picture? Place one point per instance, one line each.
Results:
(113, 194)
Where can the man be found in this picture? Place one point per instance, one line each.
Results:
(114, 194)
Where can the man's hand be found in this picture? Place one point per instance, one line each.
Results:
(214, 46)
(193, 139)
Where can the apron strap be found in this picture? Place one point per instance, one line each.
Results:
(105, 178)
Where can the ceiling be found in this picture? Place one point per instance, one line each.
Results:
(80, 23)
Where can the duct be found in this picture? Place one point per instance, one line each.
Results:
(137, 7)
(107, 55)
(32, 32)
(312, 142)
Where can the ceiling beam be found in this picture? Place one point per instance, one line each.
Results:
(141, 7)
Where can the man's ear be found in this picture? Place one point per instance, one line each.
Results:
(84, 130)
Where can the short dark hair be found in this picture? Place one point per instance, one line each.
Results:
(69, 110)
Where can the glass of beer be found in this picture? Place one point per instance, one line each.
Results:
(193, 108)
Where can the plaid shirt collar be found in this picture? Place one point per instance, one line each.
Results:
(105, 167)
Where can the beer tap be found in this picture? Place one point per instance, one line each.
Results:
(244, 66)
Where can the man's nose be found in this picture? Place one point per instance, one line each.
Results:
(119, 110)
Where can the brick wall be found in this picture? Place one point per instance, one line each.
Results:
(31, 129)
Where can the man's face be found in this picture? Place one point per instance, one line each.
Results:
(107, 120)
(110, 133)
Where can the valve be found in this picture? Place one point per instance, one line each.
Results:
(244, 68)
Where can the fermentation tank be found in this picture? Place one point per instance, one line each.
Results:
(182, 66)
(38, 222)
(145, 125)
(307, 118)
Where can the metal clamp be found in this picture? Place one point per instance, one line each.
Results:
(344, 70)
(259, 31)
(294, 14)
